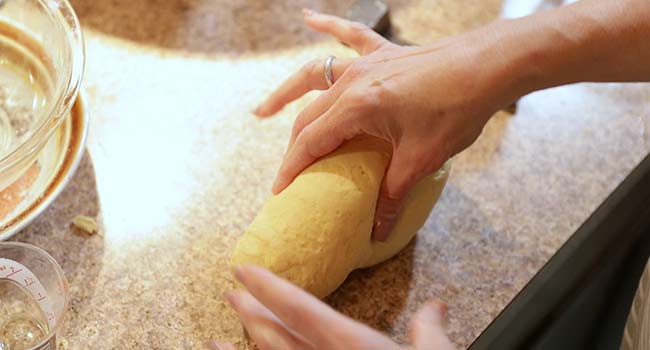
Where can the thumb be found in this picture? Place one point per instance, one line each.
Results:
(400, 177)
(427, 328)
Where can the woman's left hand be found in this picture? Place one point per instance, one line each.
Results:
(279, 315)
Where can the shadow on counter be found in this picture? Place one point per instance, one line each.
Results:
(204, 26)
(79, 255)
(377, 295)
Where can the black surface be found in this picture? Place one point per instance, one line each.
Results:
(372, 13)
(605, 238)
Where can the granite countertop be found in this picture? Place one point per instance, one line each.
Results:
(177, 167)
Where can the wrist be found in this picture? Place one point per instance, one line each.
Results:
(524, 55)
(500, 66)
(596, 41)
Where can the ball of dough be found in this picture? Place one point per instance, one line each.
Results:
(316, 231)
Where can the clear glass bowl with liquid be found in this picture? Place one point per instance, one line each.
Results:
(41, 66)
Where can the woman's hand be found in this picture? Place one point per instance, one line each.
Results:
(428, 103)
(279, 315)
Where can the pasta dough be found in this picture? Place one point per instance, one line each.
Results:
(316, 231)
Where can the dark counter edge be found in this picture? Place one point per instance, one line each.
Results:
(612, 229)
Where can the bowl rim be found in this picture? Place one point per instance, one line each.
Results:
(73, 154)
(62, 10)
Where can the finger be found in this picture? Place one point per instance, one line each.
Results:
(317, 139)
(313, 111)
(316, 322)
(401, 175)
(354, 34)
(310, 77)
(214, 345)
(262, 325)
(427, 330)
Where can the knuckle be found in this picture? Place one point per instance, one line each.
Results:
(306, 72)
(373, 100)
(400, 189)
(429, 159)
(354, 98)
(296, 128)
(394, 192)
(386, 45)
(382, 91)
(363, 101)
(303, 134)
(306, 139)
(309, 68)
(315, 66)
(357, 68)
(414, 174)
(299, 124)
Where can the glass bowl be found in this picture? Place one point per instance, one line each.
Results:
(41, 67)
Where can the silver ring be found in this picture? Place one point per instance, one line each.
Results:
(328, 70)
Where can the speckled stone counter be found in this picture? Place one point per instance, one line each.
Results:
(177, 167)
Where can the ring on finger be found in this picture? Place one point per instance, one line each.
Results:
(329, 77)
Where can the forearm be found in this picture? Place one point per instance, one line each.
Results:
(592, 40)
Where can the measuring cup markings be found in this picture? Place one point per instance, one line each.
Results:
(20, 274)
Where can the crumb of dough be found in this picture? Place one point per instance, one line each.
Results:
(85, 224)
(63, 344)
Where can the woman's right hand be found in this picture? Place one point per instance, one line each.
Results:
(428, 103)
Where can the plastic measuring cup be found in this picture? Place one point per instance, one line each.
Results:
(33, 298)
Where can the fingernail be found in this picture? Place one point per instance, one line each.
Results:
(441, 308)
(261, 110)
(435, 312)
(308, 12)
(381, 230)
(276, 187)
